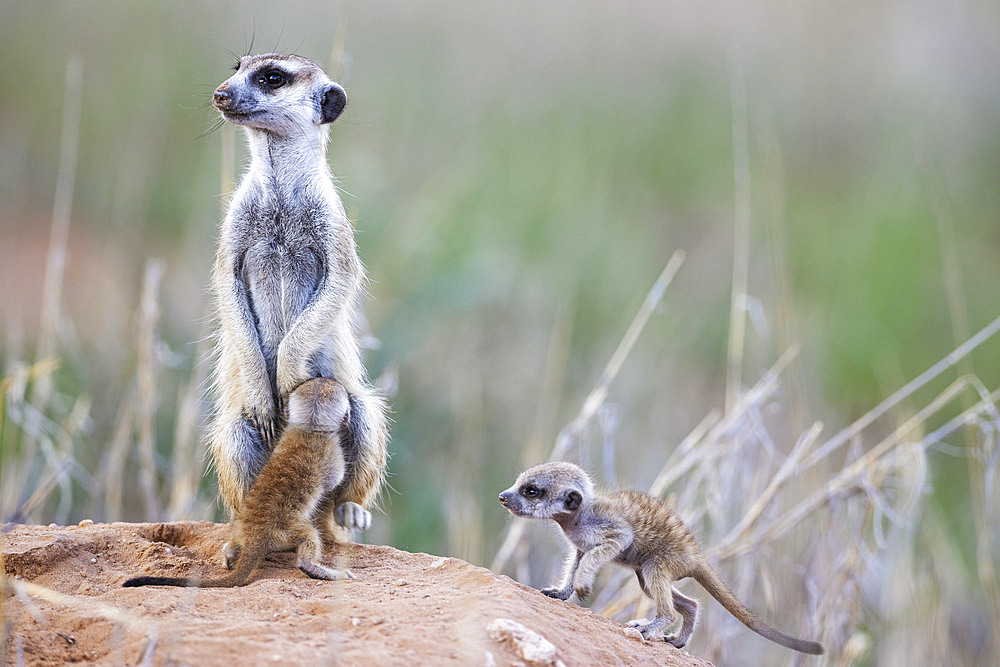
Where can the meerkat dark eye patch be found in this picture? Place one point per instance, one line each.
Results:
(532, 492)
(272, 78)
(332, 103)
(573, 500)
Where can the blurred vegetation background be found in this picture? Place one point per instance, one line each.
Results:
(520, 173)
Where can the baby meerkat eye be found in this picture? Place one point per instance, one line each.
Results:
(531, 492)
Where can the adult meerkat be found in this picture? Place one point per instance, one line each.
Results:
(288, 284)
(635, 530)
(278, 511)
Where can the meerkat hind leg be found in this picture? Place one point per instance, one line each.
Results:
(310, 552)
(688, 609)
(657, 586)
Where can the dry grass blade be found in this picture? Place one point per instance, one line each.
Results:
(789, 467)
(80, 603)
(571, 432)
(905, 391)
(850, 478)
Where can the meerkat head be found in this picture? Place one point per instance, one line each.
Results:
(281, 94)
(548, 491)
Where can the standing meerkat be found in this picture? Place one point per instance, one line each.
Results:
(288, 284)
(279, 510)
(635, 530)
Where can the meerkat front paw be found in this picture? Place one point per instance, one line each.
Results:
(353, 516)
(264, 420)
(557, 593)
(676, 642)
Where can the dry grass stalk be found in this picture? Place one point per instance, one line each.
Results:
(149, 315)
(741, 236)
(55, 264)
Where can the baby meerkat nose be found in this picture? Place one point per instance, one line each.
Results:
(222, 98)
(504, 497)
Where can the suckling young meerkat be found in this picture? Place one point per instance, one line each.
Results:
(278, 511)
(635, 530)
(288, 285)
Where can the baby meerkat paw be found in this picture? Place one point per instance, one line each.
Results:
(317, 571)
(676, 642)
(653, 630)
(353, 516)
(557, 593)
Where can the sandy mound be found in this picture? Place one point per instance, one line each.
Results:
(65, 604)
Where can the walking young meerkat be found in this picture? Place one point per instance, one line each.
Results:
(288, 285)
(635, 530)
(279, 510)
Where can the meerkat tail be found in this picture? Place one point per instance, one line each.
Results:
(718, 589)
(250, 557)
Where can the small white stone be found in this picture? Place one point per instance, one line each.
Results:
(400, 582)
(633, 633)
(439, 563)
(531, 646)
(93, 560)
(86, 522)
(355, 622)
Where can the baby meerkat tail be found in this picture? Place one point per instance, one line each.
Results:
(714, 585)
(250, 557)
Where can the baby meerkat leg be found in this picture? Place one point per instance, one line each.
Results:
(656, 584)
(688, 609)
(565, 589)
(310, 552)
(323, 406)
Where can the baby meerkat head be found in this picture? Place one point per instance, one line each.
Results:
(548, 491)
(282, 94)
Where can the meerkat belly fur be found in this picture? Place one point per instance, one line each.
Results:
(289, 492)
(635, 530)
(288, 285)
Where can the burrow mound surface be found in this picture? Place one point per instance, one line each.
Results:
(63, 603)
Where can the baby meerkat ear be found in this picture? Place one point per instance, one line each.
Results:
(332, 103)
(573, 500)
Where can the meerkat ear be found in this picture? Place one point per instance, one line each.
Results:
(573, 500)
(332, 103)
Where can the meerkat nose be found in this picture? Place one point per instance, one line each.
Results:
(504, 497)
(222, 98)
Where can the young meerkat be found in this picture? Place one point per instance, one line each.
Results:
(288, 285)
(635, 530)
(278, 511)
